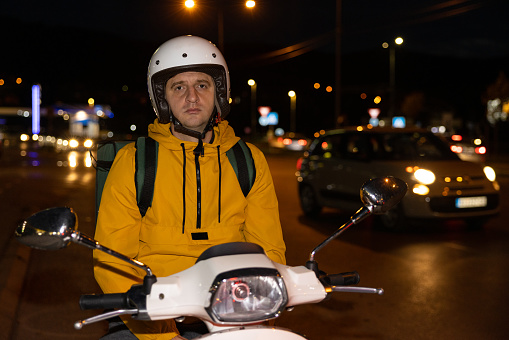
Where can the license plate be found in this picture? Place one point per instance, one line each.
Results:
(471, 202)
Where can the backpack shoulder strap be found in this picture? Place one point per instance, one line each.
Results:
(146, 169)
(242, 162)
(106, 153)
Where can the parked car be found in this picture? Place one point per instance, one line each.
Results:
(291, 141)
(441, 186)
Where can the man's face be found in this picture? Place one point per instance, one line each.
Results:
(191, 96)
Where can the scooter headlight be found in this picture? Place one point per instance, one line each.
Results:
(252, 295)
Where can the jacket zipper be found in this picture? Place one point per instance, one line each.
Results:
(198, 191)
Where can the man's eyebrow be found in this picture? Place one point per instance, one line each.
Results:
(204, 80)
(176, 83)
(199, 81)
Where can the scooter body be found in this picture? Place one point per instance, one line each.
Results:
(233, 288)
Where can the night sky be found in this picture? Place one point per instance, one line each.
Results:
(75, 49)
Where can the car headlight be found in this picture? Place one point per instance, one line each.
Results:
(424, 176)
(247, 296)
(490, 173)
(420, 189)
(73, 143)
(88, 143)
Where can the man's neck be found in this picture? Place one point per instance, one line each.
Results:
(187, 138)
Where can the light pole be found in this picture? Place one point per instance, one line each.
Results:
(392, 70)
(337, 76)
(220, 18)
(293, 109)
(253, 85)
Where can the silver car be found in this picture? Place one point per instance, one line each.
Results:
(440, 185)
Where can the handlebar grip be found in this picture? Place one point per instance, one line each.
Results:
(344, 279)
(105, 301)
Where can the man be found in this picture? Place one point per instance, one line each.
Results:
(197, 200)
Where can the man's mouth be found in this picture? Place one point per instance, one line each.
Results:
(193, 110)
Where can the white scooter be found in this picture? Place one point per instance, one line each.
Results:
(233, 287)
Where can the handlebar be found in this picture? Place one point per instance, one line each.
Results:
(105, 301)
(344, 279)
(337, 283)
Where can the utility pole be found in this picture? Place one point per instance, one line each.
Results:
(337, 102)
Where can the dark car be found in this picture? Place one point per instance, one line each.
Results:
(440, 185)
(291, 141)
(470, 149)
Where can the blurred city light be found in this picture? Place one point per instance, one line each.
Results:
(88, 160)
(73, 159)
(73, 143)
(36, 109)
(264, 110)
(88, 143)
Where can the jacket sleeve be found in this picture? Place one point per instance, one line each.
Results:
(262, 224)
(118, 228)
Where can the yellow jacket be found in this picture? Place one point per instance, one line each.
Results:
(163, 239)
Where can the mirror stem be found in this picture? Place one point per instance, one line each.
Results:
(356, 218)
(89, 242)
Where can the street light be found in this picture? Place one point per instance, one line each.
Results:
(220, 20)
(253, 85)
(392, 66)
(293, 107)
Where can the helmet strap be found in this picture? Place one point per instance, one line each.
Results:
(213, 121)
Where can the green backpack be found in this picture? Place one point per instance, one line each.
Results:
(146, 168)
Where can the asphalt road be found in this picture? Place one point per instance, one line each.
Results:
(441, 282)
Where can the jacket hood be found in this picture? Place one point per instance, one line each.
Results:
(224, 136)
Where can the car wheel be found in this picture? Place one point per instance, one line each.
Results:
(308, 201)
(393, 220)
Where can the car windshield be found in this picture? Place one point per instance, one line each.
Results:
(411, 146)
(401, 146)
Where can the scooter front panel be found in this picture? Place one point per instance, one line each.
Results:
(253, 333)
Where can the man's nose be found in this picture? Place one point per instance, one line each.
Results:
(192, 95)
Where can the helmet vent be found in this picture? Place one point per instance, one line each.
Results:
(157, 62)
(213, 55)
(184, 55)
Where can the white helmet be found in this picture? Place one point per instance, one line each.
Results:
(182, 54)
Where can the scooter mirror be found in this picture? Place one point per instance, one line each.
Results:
(49, 229)
(381, 194)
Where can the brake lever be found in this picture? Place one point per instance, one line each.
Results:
(378, 291)
(104, 316)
